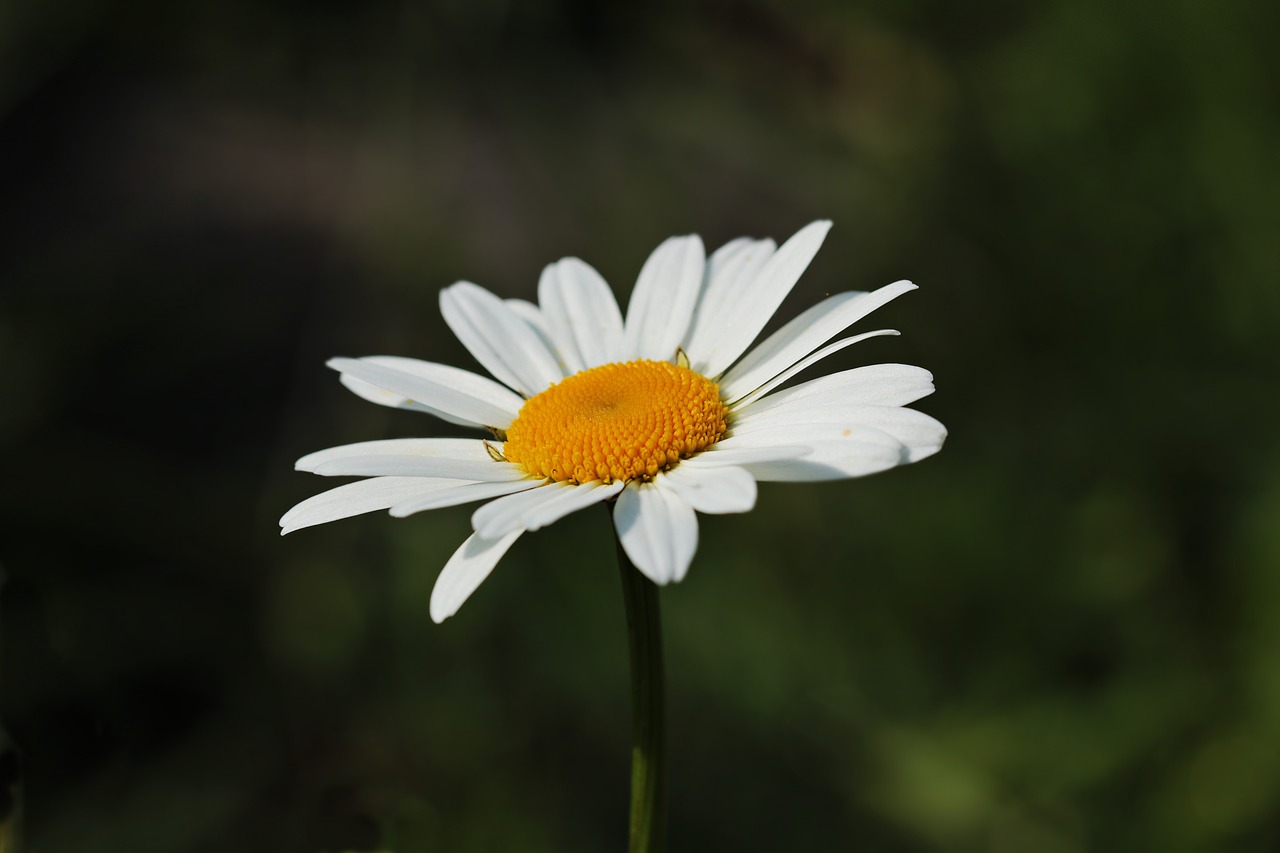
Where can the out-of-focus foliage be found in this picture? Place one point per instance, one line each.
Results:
(1061, 634)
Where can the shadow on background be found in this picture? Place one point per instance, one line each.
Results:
(1061, 634)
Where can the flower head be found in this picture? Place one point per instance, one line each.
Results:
(661, 411)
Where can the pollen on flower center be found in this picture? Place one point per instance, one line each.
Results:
(621, 421)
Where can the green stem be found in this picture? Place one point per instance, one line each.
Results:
(648, 776)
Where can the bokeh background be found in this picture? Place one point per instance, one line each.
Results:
(1061, 634)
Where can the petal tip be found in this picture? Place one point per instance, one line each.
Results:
(447, 294)
(659, 580)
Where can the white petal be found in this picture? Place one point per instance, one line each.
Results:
(918, 433)
(383, 397)
(356, 499)
(539, 507)
(753, 304)
(803, 335)
(462, 493)
(736, 403)
(863, 451)
(735, 254)
(712, 490)
(583, 315)
(729, 270)
(804, 433)
(421, 466)
(657, 529)
(533, 315)
(662, 303)
(719, 457)
(874, 384)
(559, 328)
(499, 338)
(505, 514)
(466, 570)
(580, 497)
(456, 395)
(451, 448)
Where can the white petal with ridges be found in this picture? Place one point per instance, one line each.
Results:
(499, 338)
(754, 303)
(559, 330)
(582, 497)
(712, 490)
(662, 302)
(657, 529)
(582, 313)
(729, 270)
(728, 252)
(805, 434)
(874, 384)
(383, 465)
(719, 457)
(835, 453)
(835, 346)
(533, 315)
(456, 395)
(356, 499)
(539, 507)
(450, 448)
(505, 514)
(918, 433)
(383, 397)
(462, 493)
(803, 335)
(465, 571)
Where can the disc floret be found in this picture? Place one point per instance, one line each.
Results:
(621, 421)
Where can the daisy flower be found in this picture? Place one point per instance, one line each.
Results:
(667, 411)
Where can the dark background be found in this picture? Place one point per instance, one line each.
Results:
(1061, 634)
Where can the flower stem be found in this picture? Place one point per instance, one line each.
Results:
(648, 776)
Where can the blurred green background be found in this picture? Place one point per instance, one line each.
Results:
(1061, 634)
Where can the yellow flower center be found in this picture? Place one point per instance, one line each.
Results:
(621, 421)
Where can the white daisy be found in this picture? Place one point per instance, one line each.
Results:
(660, 411)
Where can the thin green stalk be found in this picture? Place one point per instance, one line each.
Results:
(648, 763)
